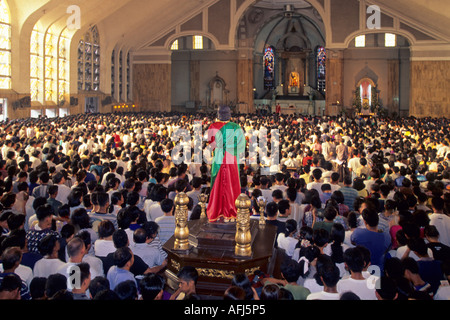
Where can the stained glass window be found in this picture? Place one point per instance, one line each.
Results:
(360, 41)
(63, 66)
(128, 77)
(37, 65)
(120, 75)
(113, 73)
(321, 68)
(269, 68)
(89, 61)
(390, 40)
(174, 45)
(51, 68)
(5, 46)
(198, 42)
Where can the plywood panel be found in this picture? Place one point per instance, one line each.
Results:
(393, 85)
(344, 18)
(430, 89)
(219, 20)
(152, 87)
(245, 85)
(195, 23)
(334, 82)
(195, 80)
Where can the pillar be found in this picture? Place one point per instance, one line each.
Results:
(393, 86)
(334, 81)
(430, 89)
(152, 86)
(244, 75)
(194, 78)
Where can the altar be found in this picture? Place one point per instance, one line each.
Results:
(366, 98)
(220, 250)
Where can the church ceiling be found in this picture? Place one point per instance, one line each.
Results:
(135, 24)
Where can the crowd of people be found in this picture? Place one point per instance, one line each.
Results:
(361, 206)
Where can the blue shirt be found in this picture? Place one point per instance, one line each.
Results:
(377, 243)
(350, 195)
(167, 227)
(117, 275)
(24, 293)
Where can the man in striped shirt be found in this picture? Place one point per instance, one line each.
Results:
(349, 193)
(166, 223)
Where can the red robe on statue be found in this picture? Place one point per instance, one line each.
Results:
(228, 141)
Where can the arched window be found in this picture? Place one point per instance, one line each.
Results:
(120, 75)
(321, 68)
(269, 68)
(197, 42)
(128, 77)
(113, 73)
(89, 61)
(5, 46)
(174, 45)
(37, 65)
(51, 67)
(63, 66)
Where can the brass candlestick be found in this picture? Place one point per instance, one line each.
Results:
(262, 206)
(202, 198)
(243, 236)
(181, 216)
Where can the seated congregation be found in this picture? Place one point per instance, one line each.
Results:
(361, 207)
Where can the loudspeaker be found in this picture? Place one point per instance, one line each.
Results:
(25, 102)
(106, 101)
(73, 101)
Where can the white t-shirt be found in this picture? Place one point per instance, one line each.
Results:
(46, 267)
(358, 287)
(442, 224)
(154, 211)
(287, 243)
(103, 247)
(322, 295)
(315, 185)
(443, 292)
(96, 265)
(312, 285)
(25, 273)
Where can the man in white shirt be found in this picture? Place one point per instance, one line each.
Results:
(329, 274)
(76, 251)
(356, 283)
(150, 254)
(112, 167)
(440, 220)
(266, 192)
(8, 146)
(354, 163)
(316, 184)
(63, 190)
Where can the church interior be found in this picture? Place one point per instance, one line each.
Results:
(336, 64)
(312, 57)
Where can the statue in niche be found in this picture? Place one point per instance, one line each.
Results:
(294, 80)
(294, 83)
(366, 99)
(218, 94)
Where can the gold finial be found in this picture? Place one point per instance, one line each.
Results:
(181, 216)
(262, 206)
(243, 236)
(202, 198)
